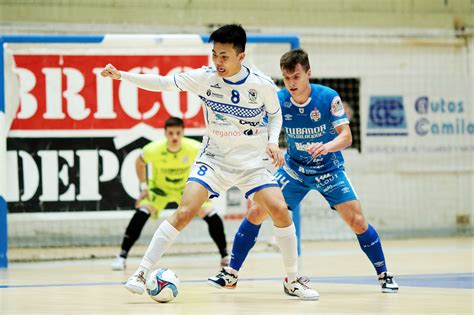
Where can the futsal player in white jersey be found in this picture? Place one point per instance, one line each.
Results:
(236, 148)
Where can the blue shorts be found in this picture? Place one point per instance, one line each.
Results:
(335, 186)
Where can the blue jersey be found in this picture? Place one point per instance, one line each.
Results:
(314, 121)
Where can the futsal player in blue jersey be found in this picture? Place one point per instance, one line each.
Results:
(317, 129)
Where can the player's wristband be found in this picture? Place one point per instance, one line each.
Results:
(143, 186)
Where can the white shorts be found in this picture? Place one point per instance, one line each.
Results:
(217, 179)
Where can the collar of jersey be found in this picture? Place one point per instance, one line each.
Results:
(243, 73)
(300, 105)
(176, 152)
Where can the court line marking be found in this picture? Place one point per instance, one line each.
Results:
(455, 281)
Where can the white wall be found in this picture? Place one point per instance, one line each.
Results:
(410, 192)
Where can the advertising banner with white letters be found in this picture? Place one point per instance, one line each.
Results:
(75, 136)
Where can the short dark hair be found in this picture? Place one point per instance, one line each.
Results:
(174, 122)
(230, 34)
(290, 59)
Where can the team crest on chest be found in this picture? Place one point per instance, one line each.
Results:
(301, 109)
(315, 115)
(185, 159)
(253, 95)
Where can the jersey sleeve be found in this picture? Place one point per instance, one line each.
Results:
(150, 82)
(271, 101)
(151, 150)
(337, 113)
(147, 152)
(191, 81)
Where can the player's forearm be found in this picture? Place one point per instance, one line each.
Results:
(274, 127)
(342, 141)
(150, 82)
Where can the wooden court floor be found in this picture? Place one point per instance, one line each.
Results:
(435, 275)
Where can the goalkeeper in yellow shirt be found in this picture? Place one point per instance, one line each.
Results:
(171, 160)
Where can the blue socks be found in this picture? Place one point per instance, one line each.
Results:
(371, 245)
(244, 240)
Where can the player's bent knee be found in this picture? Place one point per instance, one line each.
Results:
(279, 212)
(358, 224)
(257, 216)
(185, 215)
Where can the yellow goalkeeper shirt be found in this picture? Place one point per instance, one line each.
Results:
(170, 170)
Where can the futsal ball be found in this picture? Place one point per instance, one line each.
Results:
(162, 285)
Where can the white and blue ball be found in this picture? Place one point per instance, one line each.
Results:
(162, 285)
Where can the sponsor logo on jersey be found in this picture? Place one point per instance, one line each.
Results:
(288, 117)
(303, 146)
(337, 108)
(251, 123)
(250, 132)
(173, 180)
(216, 95)
(253, 95)
(234, 133)
(315, 115)
(216, 86)
(185, 159)
(306, 133)
(220, 117)
(287, 104)
(386, 116)
(220, 120)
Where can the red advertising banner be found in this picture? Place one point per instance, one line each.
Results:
(66, 92)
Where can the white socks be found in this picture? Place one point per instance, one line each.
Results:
(286, 240)
(161, 241)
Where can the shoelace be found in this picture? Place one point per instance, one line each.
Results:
(388, 278)
(223, 273)
(303, 280)
(140, 276)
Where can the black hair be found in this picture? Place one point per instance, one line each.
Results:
(230, 34)
(174, 122)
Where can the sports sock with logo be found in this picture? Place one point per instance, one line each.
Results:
(371, 245)
(244, 240)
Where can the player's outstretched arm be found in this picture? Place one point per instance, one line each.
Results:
(150, 82)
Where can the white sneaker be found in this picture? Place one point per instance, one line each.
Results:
(226, 279)
(136, 283)
(299, 288)
(388, 283)
(118, 263)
